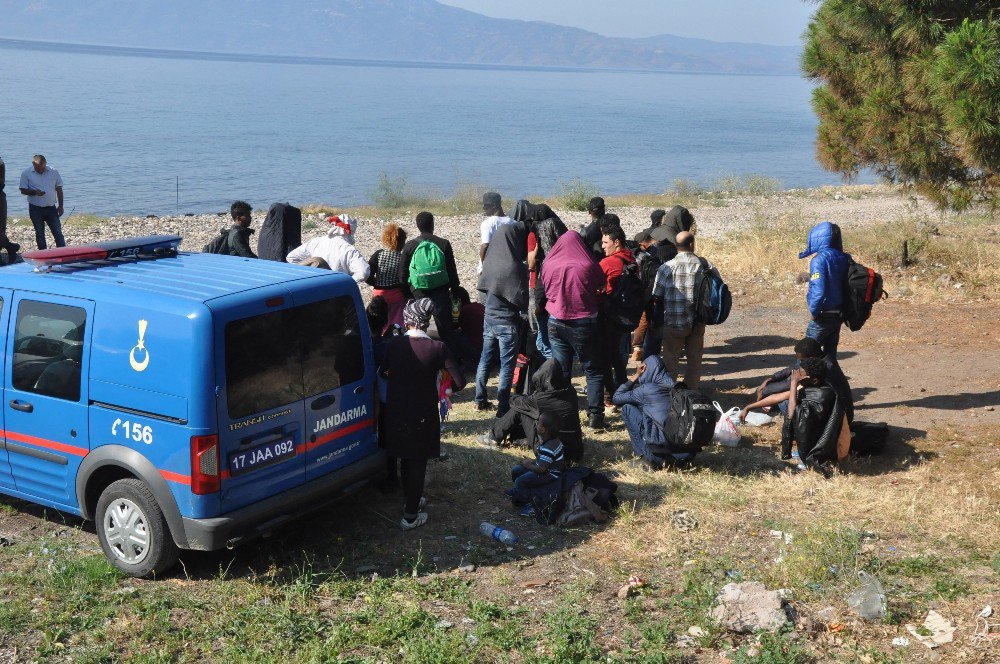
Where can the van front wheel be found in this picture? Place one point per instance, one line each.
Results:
(132, 530)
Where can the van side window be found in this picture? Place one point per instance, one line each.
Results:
(48, 349)
(283, 356)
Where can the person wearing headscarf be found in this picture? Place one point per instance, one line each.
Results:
(336, 248)
(383, 276)
(573, 285)
(591, 233)
(677, 220)
(411, 369)
(551, 393)
(280, 233)
(504, 279)
(645, 404)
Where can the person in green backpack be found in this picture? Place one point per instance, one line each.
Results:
(427, 267)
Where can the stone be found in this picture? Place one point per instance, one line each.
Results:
(905, 291)
(750, 607)
(943, 280)
(467, 569)
(827, 615)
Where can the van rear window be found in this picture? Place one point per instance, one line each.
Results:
(284, 356)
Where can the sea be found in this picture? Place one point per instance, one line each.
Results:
(170, 133)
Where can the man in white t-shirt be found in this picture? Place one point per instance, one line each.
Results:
(495, 218)
(44, 189)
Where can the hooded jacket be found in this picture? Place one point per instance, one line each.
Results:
(505, 274)
(650, 394)
(551, 393)
(336, 248)
(677, 219)
(827, 269)
(572, 279)
(281, 232)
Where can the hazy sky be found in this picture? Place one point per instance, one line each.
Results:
(764, 21)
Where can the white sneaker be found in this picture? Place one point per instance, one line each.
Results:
(416, 523)
(423, 503)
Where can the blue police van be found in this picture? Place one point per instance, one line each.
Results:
(181, 400)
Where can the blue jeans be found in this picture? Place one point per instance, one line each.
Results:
(542, 342)
(825, 328)
(499, 341)
(42, 217)
(525, 481)
(580, 336)
(632, 418)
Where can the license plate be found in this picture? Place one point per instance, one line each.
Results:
(258, 456)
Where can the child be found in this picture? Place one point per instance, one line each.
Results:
(816, 418)
(547, 467)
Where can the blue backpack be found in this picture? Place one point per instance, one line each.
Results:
(713, 300)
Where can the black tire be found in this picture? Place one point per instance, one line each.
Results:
(133, 498)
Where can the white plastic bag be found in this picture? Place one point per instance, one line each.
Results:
(757, 419)
(725, 430)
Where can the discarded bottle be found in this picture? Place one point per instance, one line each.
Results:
(498, 533)
(868, 600)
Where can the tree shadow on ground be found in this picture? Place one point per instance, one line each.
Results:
(962, 401)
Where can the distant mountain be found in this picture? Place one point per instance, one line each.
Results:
(411, 30)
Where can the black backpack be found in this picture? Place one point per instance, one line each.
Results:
(863, 289)
(691, 423)
(648, 268)
(713, 301)
(623, 307)
(220, 245)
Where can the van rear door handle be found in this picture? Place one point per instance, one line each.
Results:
(22, 406)
(323, 402)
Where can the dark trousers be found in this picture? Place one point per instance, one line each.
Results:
(526, 480)
(615, 361)
(413, 472)
(5, 242)
(458, 344)
(580, 337)
(42, 217)
(825, 328)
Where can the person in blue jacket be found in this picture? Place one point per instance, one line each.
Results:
(645, 406)
(827, 281)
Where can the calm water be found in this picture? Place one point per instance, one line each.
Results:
(121, 129)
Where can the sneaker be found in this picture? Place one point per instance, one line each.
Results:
(484, 406)
(528, 510)
(642, 463)
(486, 440)
(596, 422)
(636, 354)
(423, 502)
(416, 523)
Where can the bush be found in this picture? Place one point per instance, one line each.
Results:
(391, 192)
(576, 194)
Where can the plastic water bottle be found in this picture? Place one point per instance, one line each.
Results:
(498, 533)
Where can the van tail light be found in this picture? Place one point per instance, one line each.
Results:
(205, 464)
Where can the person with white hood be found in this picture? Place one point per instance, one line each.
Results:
(336, 248)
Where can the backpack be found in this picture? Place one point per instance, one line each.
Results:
(712, 299)
(869, 438)
(580, 507)
(624, 306)
(864, 288)
(648, 268)
(220, 245)
(427, 267)
(691, 422)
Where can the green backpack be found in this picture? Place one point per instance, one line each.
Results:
(427, 267)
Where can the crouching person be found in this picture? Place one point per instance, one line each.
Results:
(645, 404)
(532, 477)
(816, 423)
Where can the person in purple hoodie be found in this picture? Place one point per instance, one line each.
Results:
(573, 284)
(827, 280)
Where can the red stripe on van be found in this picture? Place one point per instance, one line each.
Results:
(47, 444)
(176, 477)
(340, 433)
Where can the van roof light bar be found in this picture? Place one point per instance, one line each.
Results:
(149, 246)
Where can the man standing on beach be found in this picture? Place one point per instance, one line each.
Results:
(674, 297)
(44, 189)
(5, 243)
(495, 218)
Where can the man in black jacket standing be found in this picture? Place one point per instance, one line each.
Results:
(441, 296)
(10, 247)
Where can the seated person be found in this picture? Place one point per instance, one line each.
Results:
(816, 419)
(551, 393)
(779, 381)
(547, 467)
(645, 404)
(468, 317)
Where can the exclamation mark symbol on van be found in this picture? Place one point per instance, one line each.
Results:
(138, 365)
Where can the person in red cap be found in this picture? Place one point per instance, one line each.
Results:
(336, 248)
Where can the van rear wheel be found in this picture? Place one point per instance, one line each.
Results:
(132, 530)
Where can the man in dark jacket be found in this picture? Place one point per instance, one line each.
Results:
(679, 219)
(551, 393)
(239, 234)
(806, 348)
(645, 404)
(441, 296)
(591, 233)
(827, 279)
